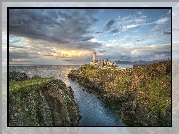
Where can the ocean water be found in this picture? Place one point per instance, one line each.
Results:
(93, 111)
(125, 65)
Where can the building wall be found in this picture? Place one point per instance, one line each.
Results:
(102, 63)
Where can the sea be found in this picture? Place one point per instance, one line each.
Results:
(93, 111)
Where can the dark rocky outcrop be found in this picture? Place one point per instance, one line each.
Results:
(144, 92)
(17, 76)
(42, 102)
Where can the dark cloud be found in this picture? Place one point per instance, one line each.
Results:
(16, 55)
(87, 45)
(140, 40)
(167, 53)
(159, 30)
(114, 31)
(102, 51)
(125, 57)
(108, 27)
(98, 32)
(87, 38)
(52, 25)
(167, 31)
(160, 53)
(109, 24)
(157, 55)
(94, 20)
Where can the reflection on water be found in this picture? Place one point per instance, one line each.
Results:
(91, 108)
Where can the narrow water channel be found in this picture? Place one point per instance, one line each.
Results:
(93, 111)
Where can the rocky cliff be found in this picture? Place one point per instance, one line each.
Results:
(142, 93)
(41, 102)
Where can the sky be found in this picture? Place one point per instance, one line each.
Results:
(69, 36)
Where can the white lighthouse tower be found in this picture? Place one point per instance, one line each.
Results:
(94, 56)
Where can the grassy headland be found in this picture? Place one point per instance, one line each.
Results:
(143, 93)
(40, 102)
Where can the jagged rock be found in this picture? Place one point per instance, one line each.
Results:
(52, 104)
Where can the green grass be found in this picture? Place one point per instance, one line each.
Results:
(121, 85)
(28, 85)
(22, 94)
(113, 105)
(153, 84)
(157, 94)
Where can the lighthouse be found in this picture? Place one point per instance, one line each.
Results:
(94, 56)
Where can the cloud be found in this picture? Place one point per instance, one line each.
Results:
(154, 52)
(160, 30)
(87, 38)
(139, 20)
(15, 46)
(167, 53)
(110, 45)
(167, 31)
(140, 12)
(162, 21)
(115, 31)
(108, 27)
(136, 52)
(132, 21)
(98, 32)
(46, 31)
(102, 51)
(109, 24)
(22, 55)
(51, 24)
(127, 27)
(52, 35)
(156, 28)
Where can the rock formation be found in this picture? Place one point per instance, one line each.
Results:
(143, 92)
(41, 102)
